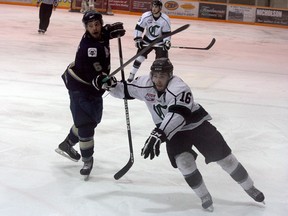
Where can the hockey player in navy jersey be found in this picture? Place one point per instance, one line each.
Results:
(152, 24)
(182, 123)
(86, 104)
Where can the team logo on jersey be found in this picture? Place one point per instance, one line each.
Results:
(92, 52)
(159, 110)
(153, 30)
(150, 97)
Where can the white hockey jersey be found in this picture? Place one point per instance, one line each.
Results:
(153, 27)
(172, 111)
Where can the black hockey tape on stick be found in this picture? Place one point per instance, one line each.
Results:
(130, 162)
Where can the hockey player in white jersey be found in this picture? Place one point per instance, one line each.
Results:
(181, 123)
(152, 24)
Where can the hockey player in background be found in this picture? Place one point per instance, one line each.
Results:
(84, 6)
(45, 13)
(182, 123)
(86, 103)
(155, 24)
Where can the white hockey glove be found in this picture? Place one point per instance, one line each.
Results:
(152, 144)
(166, 45)
(138, 42)
(115, 30)
(100, 83)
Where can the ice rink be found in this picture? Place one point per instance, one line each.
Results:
(242, 82)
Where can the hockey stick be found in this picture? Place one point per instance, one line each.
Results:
(130, 162)
(198, 48)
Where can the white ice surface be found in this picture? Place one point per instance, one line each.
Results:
(242, 81)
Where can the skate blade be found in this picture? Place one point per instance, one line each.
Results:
(59, 151)
(209, 209)
(86, 177)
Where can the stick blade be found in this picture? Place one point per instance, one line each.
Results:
(211, 44)
(124, 170)
(198, 48)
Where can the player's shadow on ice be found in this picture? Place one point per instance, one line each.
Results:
(169, 202)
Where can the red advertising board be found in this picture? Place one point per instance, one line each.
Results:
(120, 5)
(140, 5)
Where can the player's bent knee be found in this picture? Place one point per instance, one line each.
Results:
(229, 163)
(185, 163)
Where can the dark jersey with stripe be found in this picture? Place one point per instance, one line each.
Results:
(92, 59)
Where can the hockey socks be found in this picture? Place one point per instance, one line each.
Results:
(236, 170)
(187, 166)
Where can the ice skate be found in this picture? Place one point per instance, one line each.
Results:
(207, 203)
(87, 167)
(41, 31)
(257, 195)
(66, 150)
(131, 77)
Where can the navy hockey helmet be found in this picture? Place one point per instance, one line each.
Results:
(157, 3)
(91, 16)
(162, 65)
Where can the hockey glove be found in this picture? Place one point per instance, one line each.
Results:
(106, 85)
(152, 144)
(115, 30)
(138, 42)
(166, 45)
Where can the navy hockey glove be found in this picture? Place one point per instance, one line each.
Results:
(152, 144)
(167, 45)
(138, 42)
(115, 30)
(106, 85)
